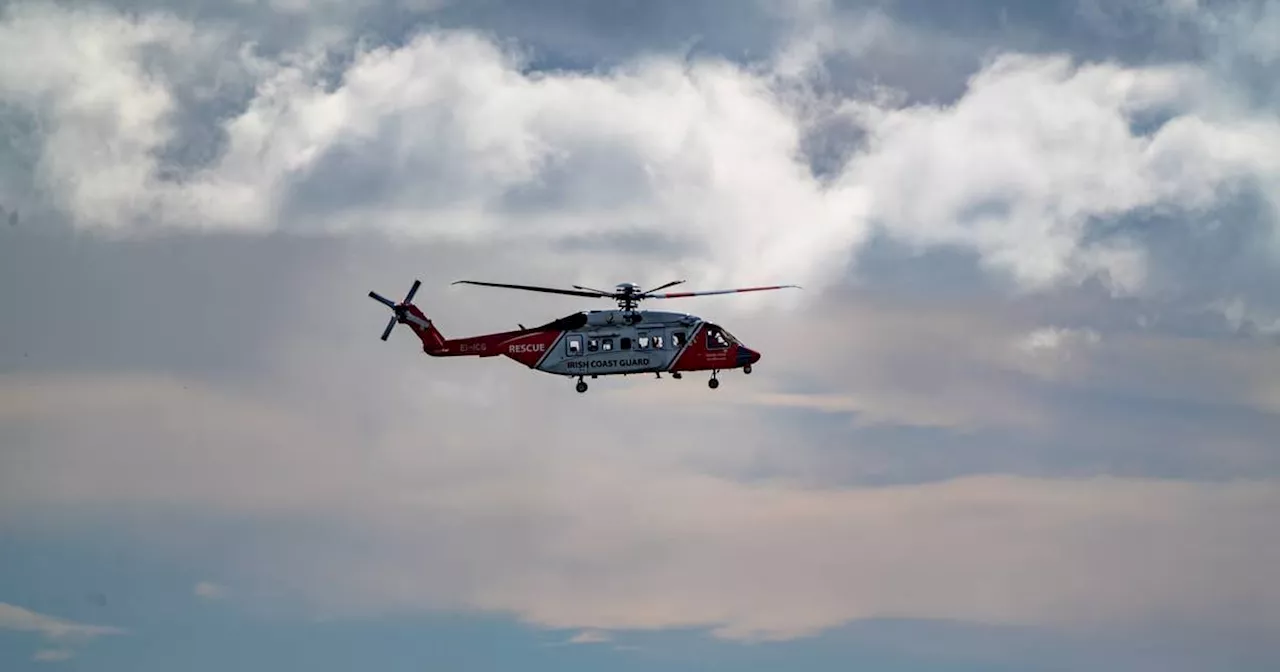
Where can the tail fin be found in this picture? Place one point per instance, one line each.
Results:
(432, 340)
(407, 313)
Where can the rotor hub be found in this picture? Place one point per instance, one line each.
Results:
(398, 310)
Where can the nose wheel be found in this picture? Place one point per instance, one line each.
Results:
(714, 382)
(747, 369)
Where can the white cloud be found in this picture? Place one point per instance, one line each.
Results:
(209, 591)
(13, 617)
(1056, 352)
(1054, 338)
(52, 655)
(590, 637)
(448, 137)
(1037, 147)
(102, 107)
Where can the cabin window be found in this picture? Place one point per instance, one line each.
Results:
(574, 345)
(624, 343)
(593, 344)
(677, 339)
(642, 341)
(606, 344)
(716, 339)
(657, 341)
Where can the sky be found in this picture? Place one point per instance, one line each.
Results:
(1021, 416)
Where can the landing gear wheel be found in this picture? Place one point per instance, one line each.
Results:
(582, 386)
(747, 369)
(713, 383)
(676, 375)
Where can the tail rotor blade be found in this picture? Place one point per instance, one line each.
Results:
(383, 300)
(397, 309)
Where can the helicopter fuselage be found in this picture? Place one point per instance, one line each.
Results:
(605, 342)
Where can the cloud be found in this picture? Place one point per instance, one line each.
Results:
(590, 637)
(1021, 168)
(209, 591)
(597, 534)
(13, 617)
(52, 655)
(1051, 339)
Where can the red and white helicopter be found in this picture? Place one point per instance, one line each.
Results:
(622, 341)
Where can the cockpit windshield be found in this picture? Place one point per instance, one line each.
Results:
(717, 337)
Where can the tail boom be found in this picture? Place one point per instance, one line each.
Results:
(433, 342)
(526, 346)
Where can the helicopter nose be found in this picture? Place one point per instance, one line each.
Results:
(747, 356)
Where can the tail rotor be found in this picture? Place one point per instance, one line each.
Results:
(399, 310)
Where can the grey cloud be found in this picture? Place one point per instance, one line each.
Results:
(586, 35)
(674, 246)
(20, 146)
(1208, 275)
(566, 529)
(205, 308)
(1110, 397)
(889, 266)
(880, 379)
(1228, 250)
(946, 43)
(1138, 31)
(309, 428)
(556, 33)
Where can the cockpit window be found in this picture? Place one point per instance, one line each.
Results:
(716, 338)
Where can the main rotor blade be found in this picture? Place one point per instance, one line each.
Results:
(681, 295)
(529, 288)
(390, 325)
(669, 284)
(592, 289)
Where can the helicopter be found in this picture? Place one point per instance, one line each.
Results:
(592, 343)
